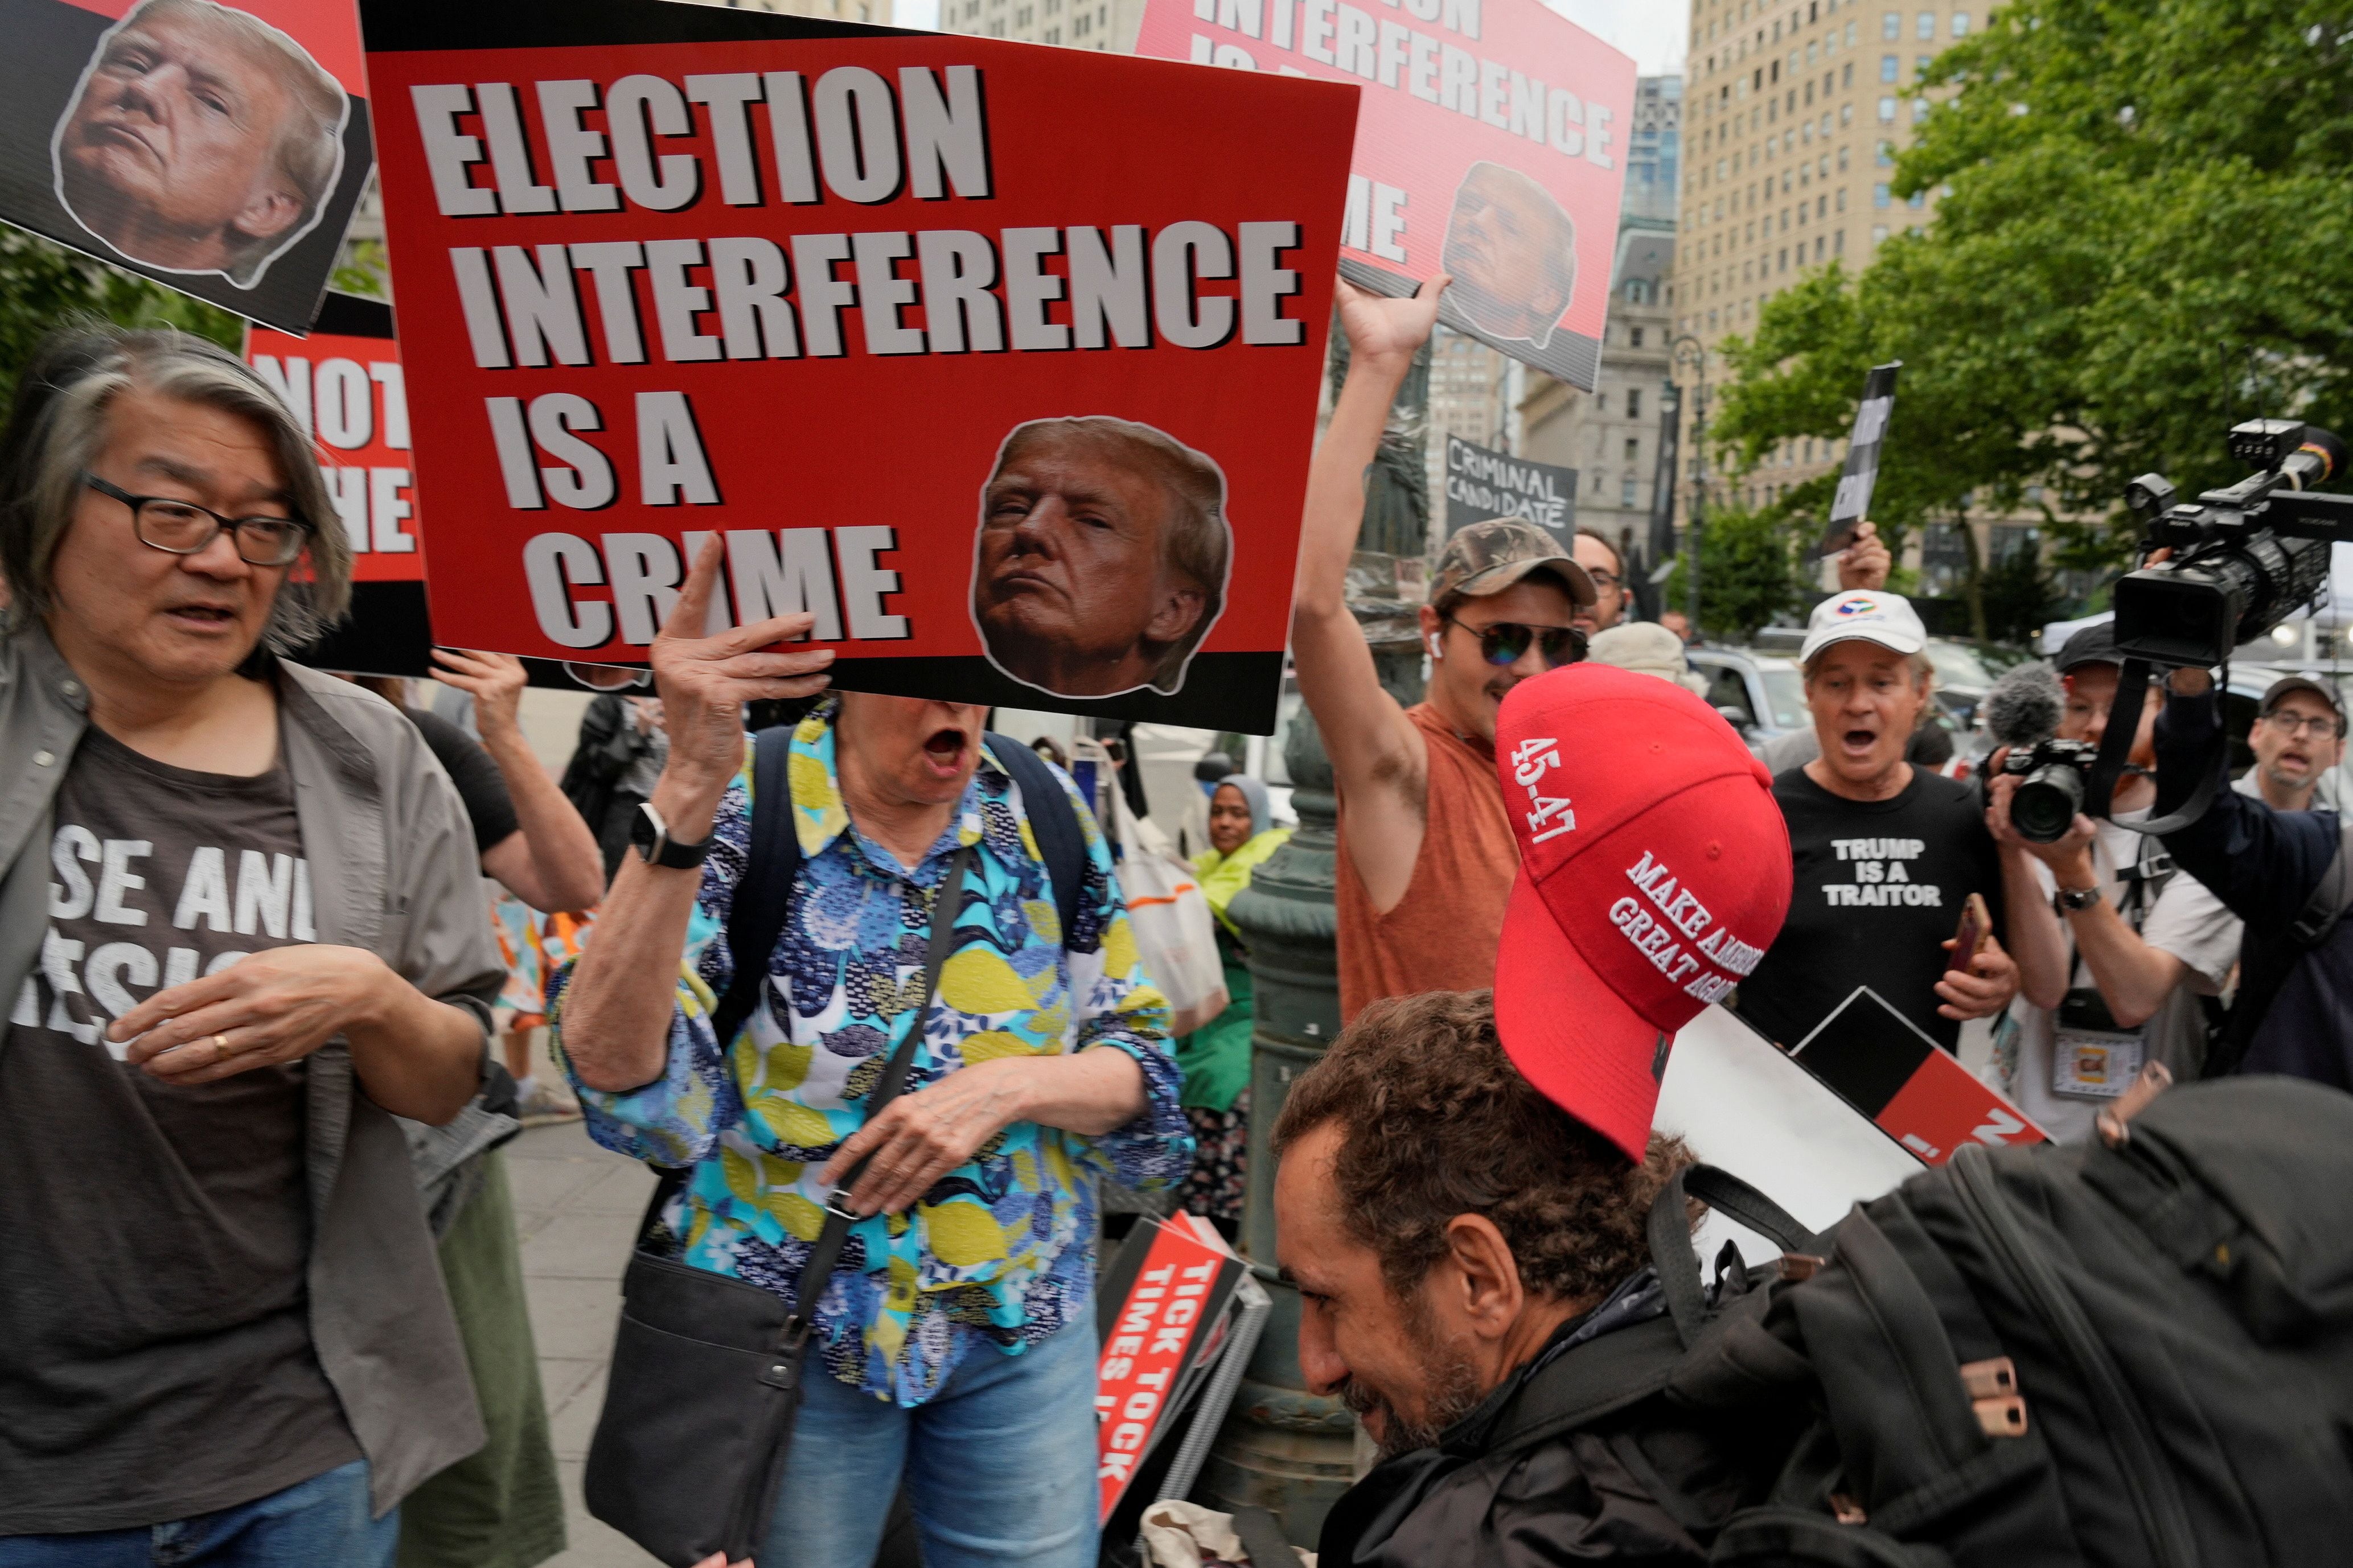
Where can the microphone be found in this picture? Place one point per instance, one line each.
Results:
(2023, 707)
(2320, 458)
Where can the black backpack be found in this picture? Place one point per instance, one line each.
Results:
(764, 894)
(2057, 1355)
(2031, 1357)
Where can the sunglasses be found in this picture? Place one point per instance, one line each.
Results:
(1506, 643)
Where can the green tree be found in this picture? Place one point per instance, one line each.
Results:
(2144, 234)
(1747, 578)
(44, 285)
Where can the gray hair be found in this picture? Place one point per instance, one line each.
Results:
(58, 426)
(1196, 546)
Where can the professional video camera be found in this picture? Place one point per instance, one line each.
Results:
(2244, 558)
(2053, 789)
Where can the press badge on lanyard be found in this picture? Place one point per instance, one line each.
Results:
(2091, 1059)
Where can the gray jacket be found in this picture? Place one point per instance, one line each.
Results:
(392, 869)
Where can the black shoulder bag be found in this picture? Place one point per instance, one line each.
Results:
(706, 1374)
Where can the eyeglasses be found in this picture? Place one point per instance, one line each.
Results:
(1603, 582)
(184, 528)
(2319, 726)
(1506, 643)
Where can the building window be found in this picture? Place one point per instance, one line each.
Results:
(1887, 154)
(1960, 24)
(1889, 67)
(1919, 110)
(1634, 394)
(1838, 240)
(1920, 66)
(1053, 35)
(1634, 338)
(1891, 27)
(1633, 448)
(1849, 34)
(1880, 196)
(1626, 488)
(1917, 199)
(1887, 112)
(1879, 233)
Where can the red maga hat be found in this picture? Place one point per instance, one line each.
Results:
(1654, 871)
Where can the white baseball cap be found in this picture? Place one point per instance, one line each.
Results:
(1887, 619)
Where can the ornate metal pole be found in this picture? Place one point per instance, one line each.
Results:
(1689, 350)
(1284, 1448)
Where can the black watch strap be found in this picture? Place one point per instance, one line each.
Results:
(649, 835)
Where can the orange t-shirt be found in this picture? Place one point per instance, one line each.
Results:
(1443, 935)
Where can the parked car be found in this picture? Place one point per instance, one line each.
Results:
(1763, 695)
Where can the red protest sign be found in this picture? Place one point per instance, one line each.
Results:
(1170, 1296)
(1881, 1063)
(344, 384)
(1490, 146)
(999, 360)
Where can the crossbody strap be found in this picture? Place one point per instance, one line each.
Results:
(838, 1220)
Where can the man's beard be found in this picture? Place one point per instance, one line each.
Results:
(1453, 1392)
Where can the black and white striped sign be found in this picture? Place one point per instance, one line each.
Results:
(1852, 502)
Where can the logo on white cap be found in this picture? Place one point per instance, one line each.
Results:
(1887, 619)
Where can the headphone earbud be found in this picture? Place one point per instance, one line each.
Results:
(1433, 647)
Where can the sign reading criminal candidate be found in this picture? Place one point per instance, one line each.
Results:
(219, 149)
(1482, 482)
(1490, 146)
(999, 360)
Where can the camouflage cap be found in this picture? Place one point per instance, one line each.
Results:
(1488, 557)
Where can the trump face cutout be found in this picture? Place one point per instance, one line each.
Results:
(1102, 556)
(1511, 250)
(200, 139)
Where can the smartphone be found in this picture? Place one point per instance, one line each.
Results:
(1976, 924)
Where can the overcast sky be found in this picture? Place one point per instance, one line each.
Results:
(1652, 31)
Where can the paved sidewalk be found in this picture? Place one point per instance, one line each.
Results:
(576, 1209)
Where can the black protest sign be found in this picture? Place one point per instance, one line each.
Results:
(219, 149)
(1482, 482)
(1852, 502)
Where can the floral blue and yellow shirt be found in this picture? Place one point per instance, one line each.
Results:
(1000, 1252)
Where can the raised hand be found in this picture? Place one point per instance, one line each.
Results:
(1383, 328)
(705, 681)
(495, 681)
(1865, 562)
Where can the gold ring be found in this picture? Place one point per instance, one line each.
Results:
(220, 1044)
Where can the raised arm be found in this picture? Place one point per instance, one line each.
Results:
(2262, 864)
(552, 861)
(1376, 754)
(616, 1025)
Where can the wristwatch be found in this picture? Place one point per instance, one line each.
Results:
(649, 835)
(2074, 899)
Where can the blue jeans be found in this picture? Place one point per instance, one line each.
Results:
(310, 1524)
(1000, 1465)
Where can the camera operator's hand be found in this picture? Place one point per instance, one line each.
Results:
(2188, 681)
(1986, 989)
(2069, 856)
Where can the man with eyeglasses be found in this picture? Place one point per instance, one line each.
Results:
(241, 931)
(2298, 741)
(2139, 944)
(1427, 858)
(1606, 573)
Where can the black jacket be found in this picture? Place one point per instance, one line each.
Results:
(1581, 1454)
(609, 744)
(2295, 1010)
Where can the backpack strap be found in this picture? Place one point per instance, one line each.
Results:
(1677, 1261)
(1053, 821)
(2329, 897)
(765, 893)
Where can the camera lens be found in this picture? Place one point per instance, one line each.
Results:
(2046, 805)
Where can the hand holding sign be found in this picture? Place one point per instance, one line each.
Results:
(705, 681)
(1865, 562)
(1382, 330)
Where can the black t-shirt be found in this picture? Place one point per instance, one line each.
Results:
(155, 1357)
(479, 782)
(1879, 886)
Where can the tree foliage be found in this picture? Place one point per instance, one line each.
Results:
(1747, 579)
(2144, 235)
(44, 285)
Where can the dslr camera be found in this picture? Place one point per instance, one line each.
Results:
(2053, 788)
(2244, 558)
